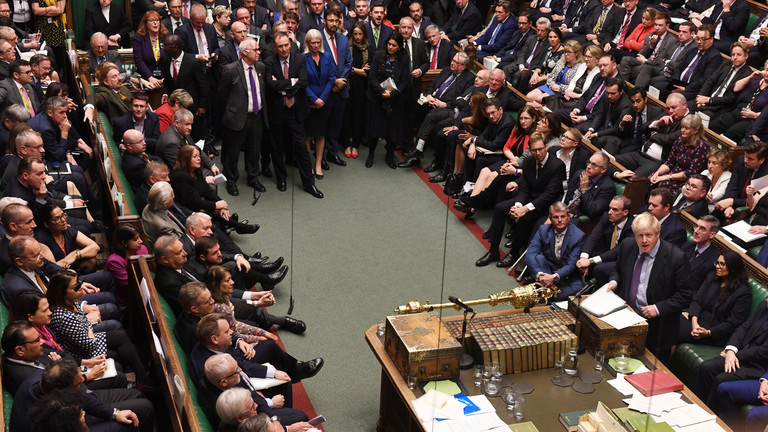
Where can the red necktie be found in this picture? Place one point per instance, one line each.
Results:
(175, 71)
(746, 183)
(335, 54)
(433, 63)
(624, 31)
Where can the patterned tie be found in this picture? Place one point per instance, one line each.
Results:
(444, 87)
(599, 24)
(144, 157)
(656, 48)
(376, 37)
(27, 101)
(615, 236)
(185, 12)
(559, 244)
(254, 91)
(288, 100)
(40, 283)
(596, 97)
(636, 280)
(624, 29)
(201, 46)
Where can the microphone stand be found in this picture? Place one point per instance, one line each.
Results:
(467, 361)
(577, 301)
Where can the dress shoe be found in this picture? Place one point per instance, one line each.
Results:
(281, 186)
(348, 154)
(508, 244)
(307, 369)
(525, 280)
(369, 161)
(438, 178)
(258, 260)
(464, 208)
(267, 267)
(390, 160)
(245, 228)
(256, 255)
(488, 258)
(294, 326)
(507, 261)
(410, 162)
(312, 190)
(275, 277)
(434, 166)
(256, 184)
(508, 235)
(412, 153)
(266, 172)
(232, 189)
(324, 165)
(319, 176)
(335, 159)
(486, 235)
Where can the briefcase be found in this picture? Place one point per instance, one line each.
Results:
(420, 344)
(597, 335)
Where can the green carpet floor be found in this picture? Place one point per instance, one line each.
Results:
(380, 238)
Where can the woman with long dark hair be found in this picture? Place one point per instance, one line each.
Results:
(356, 108)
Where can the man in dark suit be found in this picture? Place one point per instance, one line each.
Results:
(116, 27)
(693, 196)
(728, 23)
(242, 85)
(439, 52)
(554, 250)
(517, 41)
(701, 253)
(531, 195)
(175, 19)
(631, 134)
(732, 396)
(170, 275)
(752, 165)
(25, 254)
(668, 56)
(716, 94)
(743, 358)
(100, 52)
(590, 191)
(498, 33)
(362, 14)
(571, 153)
(337, 45)
(610, 110)
(199, 37)
(585, 108)
(576, 13)
(260, 16)
(589, 22)
(178, 135)
(314, 19)
(660, 206)
(183, 71)
(550, 9)
(135, 157)
(600, 249)
(378, 33)
(420, 21)
(41, 72)
(531, 55)
(17, 88)
(289, 107)
(619, 23)
(465, 21)
(418, 64)
(140, 119)
(651, 276)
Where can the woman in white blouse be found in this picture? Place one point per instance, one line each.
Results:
(718, 164)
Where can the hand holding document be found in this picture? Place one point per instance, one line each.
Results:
(389, 84)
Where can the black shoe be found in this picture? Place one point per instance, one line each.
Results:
(266, 172)
(369, 160)
(464, 208)
(507, 261)
(335, 159)
(414, 153)
(312, 190)
(488, 258)
(434, 166)
(281, 186)
(97, 227)
(275, 278)
(245, 228)
(258, 259)
(256, 184)
(508, 235)
(232, 189)
(294, 326)
(307, 369)
(267, 267)
(525, 280)
(486, 235)
(438, 178)
(324, 165)
(410, 162)
(390, 160)
(508, 244)
(257, 255)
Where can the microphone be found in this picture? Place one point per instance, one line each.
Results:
(458, 302)
(588, 286)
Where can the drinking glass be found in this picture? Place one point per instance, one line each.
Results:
(508, 396)
(478, 376)
(599, 358)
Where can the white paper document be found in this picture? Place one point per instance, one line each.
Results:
(623, 387)
(687, 415)
(219, 178)
(389, 84)
(111, 370)
(490, 63)
(759, 183)
(200, 144)
(622, 318)
(475, 423)
(603, 302)
(657, 404)
(740, 230)
(435, 404)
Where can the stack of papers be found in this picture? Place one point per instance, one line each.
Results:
(603, 302)
(441, 412)
(622, 318)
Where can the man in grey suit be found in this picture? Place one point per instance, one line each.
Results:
(17, 88)
(658, 44)
(100, 52)
(667, 57)
(242, 85)
(177, 135)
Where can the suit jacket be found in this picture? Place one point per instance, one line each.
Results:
(16, 282)
(133, 167)
(158, 223)
(614, 21)
(516, 42)
(343, 64)
(495, 135)
(384, 33)
(504, 35)
(169, 144)
(628, 130)
(425, 22)
(721, 317)
(281, 87)
(191, 77)
(595, 200)
(537, 60)
(739, 178)
(110, 103)
(144, 56)
(14, 373)
(589, 16)
(459, 85)
(673, 231)
(185, 329)
(200, 354)
(460, 25)
(733, 22)
(541, 252)
(419, 61)
(118, 22)
(714, 82)
(599, 240)
(697, 209)
(752, 332)
(187, 34)
(233, 94)
(667, 289)
(668, 45)
(708, 64)
(260, 16)
(319, 86)
(16, 189)
(168, 283)
(664, 135)
(701, 266)
(167, 23)
(111, 56)
(151, 129)
(544, 189)
(55, 146)
(445, 53)
(607, 116)
(10, 94)
(309, 22)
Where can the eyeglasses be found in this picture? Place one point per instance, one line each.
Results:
(37, 147)
(237, 371)
(537, 150)
(690, 185)
(153, 20)
(590, 163)
(719, 264)
(566, 137)
(77, 287)
(32, 341)
(60, 218)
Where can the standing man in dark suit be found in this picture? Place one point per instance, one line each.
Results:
(17, 88)
(337, 45)
(526, 201)
(242, 100)
(175, 19)
(116, 27)
(610, 111)
(416, 53)
(600, 246)
(590, 191)
(439, 52)
(378, 33)
(465, 21)
(289, 107)
(362, 14)
(651, 276)
(183, 71)
(631, 134)
(701, 253)
(260, 17)
(140, 119)
(314, 20)
(554, 250)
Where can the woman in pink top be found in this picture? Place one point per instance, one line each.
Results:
(127, 242)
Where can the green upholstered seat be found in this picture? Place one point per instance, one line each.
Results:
(118, 158)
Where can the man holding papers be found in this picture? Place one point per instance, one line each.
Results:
(651, 276)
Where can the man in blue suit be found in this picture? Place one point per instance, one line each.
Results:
(199, 37)
(660, 206)
(498, 34)
(378, 33)
(554, 250)
(731, 395)
(338, 46)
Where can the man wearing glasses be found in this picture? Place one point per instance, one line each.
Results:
(693, 196)
(17, 88)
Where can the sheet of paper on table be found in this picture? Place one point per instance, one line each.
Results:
(437, 405)
(446, 386)
(474, 423)
(687, 415)
(656, 405)
(708, 426)
(603, 302)
(484, 404)
(622, 319)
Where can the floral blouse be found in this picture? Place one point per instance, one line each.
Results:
(243, 331)
(690, 160)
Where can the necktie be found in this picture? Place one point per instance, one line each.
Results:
(573, 207)
(201, 47)
(496, 32)
(445, 86)
(596, 97)
(615, 236)
(102, 59)
(27, 101)
(725, 84)
(639, 130)
(538, 168)
(624, 29)
(695, 253)
(176, 25)
(240, 56)
(188, 275)
(746, 183)
(376, 36)
(144, 157)
(689, 71)
(175, 71)
(433, 62)
(656, 48)
(408, 51)
(636, 280)
(599, 24)
(247, 381)
(533, 53)
(40, 283)
(254, 91)
(558, 244)
(185, 11)
(335, 53)
(288, 100)
(677, 51)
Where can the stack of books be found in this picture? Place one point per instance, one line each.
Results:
(521, 342)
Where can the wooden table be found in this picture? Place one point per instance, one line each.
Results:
(541, 407)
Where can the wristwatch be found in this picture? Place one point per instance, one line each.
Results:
(115, 412)
(274, 419)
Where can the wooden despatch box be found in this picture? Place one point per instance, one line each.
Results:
(597, 335)
(420, 344)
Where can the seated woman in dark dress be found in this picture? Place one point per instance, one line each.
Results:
(70, 247)
(720, 305)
